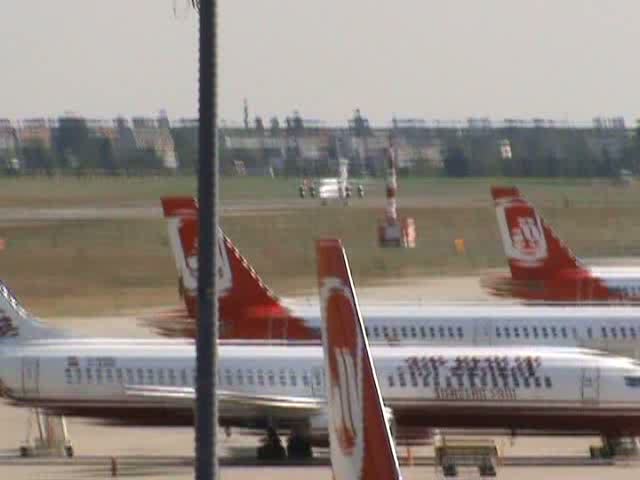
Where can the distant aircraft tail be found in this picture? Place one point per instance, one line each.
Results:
(360, 437)
(248, 308)
(533, 250)
(17, 324)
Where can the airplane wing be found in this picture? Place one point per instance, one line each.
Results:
(276, 405)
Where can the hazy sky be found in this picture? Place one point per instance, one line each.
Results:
(446, 59)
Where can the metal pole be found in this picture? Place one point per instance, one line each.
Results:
(206, 343)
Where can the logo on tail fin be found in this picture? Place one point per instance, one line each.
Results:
(522, 232)
(188, 231)
(345, 368)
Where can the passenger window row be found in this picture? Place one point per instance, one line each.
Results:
(546, 332)
(376, 332)
(130, 376)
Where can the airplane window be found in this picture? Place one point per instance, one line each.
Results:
(283, 378)
(89, 375)
(498, 332)
(403, 332)
(414, 332)
(507, 332)
(183, 377)
(589, 332)
(450, 332)
(130, 379)
(391, 381)
(68, 376)
(394, 332)
(99, 375)
(271, 377)
(545, 333)
(376, 332)
(317, 376)
(537, 382)
(161, 376)
(423, 332)
(614, 332)
(623, 332)
(441, 331)
(260, 378)
(293, 380)
(554, 332)
(432, 332)
(150, 376)
(516, 332)
(240, 377)
(249, 376)
(460, 332)
(385, 332)
(140, 373)
(633, 382)
(632, 331)
(563, 330)
(402, 381)
(228, 378)
(525, 332)
(547, 382)
(305, 378)
(172, 376)
(604, 332)
(119, 375)
(535, 332)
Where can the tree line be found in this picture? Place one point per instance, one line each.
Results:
(516, 151)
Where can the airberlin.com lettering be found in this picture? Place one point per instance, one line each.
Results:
(477, 393)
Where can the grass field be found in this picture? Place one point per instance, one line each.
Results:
(100, 267)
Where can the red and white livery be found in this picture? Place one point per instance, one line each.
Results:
(359, 434)
(543, 268)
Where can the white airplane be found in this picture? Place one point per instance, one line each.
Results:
(250, 310)
(282, 386)
(331, 188)
(353, 393)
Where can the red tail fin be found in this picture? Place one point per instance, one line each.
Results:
(532, 248)
(248, 308)
(361, 443)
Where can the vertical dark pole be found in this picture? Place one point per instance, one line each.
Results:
(206, 343)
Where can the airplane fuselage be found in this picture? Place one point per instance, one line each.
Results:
(524, 388)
